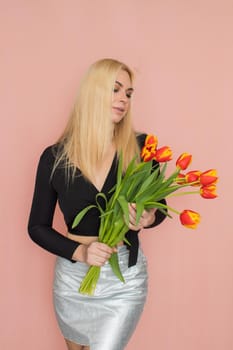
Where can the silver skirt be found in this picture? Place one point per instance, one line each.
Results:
(106, 320)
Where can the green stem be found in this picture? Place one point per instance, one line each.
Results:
(172, 209)
(182, 193)
(165, 206)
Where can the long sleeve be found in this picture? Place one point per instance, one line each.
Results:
(159, 216)
(42, 211)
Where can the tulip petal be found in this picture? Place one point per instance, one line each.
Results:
(193, 176)
(151, 140)
(208, 192)
(184, 161)
(208, 177)
(163, 154)
(189, 218)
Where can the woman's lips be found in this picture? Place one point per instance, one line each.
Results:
(118, 110)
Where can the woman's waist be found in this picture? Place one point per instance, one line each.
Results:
(87, 240)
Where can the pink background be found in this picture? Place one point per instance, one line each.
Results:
(182, 52)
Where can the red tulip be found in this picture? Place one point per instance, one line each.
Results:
(163, 154)
(208, 177)
(184, 161)
(193, 176)
(180, 180)
(189, 218)
(208, 192)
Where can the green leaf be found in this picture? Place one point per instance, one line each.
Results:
(164, 192)
(125, 207)
(112, 232)
(101, 195)
(81, 214)
(126, 241)
(130, 168)
(139, 211)
(118, 236)
(119, 171)
(133, 185)
(147, 187)
(161, 206)
(115, 266)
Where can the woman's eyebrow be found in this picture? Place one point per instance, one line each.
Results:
(129, 89)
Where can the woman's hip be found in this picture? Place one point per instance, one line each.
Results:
(68, 277)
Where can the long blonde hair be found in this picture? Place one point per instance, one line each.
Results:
(89, 131)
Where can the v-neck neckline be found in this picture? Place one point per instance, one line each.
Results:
(106, 178)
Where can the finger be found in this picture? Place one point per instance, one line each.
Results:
(132, 210)
(102, 247)
(106, 251)
(100, 255)
(149, 217)
(133, 205)
(97, 257)
(132, 219)
(96, 261)
(135, 227)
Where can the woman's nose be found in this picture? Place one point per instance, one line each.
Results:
(123, 97)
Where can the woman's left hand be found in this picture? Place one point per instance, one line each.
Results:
(146, 219)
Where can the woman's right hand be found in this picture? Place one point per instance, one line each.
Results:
(96, 253)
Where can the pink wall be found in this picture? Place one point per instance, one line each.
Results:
(182, 52)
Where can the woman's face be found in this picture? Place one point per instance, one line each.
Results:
(122, 92)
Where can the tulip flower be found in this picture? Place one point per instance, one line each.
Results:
(149, 149)
(151, 140)
(208, 177)
(147, 154)
(193, 176)
(180, 180)
(189, 218)
(208, 192)
(163, 154)
(184, 161)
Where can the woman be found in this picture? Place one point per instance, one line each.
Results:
(81, 164)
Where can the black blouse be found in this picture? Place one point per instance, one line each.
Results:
(72, 197)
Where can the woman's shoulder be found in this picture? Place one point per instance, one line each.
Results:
(50, 153)
(141, 136)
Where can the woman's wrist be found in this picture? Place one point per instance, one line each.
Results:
(80, 253)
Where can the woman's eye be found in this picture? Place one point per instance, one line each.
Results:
(115, 90)
(129, 95)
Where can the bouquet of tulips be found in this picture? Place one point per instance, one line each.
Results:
(144, 183)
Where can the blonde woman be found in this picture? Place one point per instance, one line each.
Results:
(82, 163)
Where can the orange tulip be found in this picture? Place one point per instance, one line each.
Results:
(208, 177)
(147, 154)
(189, 218)
(193, 176)
(184, 161)
(151, 140)
(163, 154)
(208, 192)
(149, 149)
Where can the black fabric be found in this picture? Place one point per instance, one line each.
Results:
(72, 197)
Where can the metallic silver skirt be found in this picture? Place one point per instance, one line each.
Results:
(106, 320)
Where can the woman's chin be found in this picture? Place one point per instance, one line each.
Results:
(117, 118)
